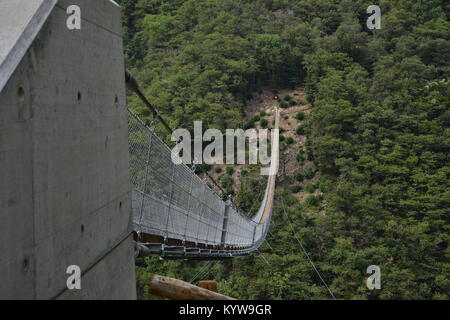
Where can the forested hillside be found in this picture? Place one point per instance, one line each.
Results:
(378, 133)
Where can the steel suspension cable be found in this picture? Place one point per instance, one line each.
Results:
(264, 258)
(305, 252)
(200, 272)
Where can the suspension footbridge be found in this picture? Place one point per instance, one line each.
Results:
(176, 214)
(84, 182)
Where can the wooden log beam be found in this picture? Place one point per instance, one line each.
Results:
(210, 285)
(179, 290)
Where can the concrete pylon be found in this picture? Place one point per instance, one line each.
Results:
(64, 163)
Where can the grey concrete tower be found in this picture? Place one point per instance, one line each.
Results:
(64, 163)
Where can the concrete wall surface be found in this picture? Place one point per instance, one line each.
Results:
(64, 163)
(20, 21)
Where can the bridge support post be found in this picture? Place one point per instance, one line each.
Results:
(188, 206)
(224, 226)
(202, 205)
(147, 166)
(172, 182)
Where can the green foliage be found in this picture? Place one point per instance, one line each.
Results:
(202, 168)
(218, 169)
(263, 122)
(229, 170)
(308, 143)
(226, 182)
(310, 188)
(245, 199)
(299, 177)
(325, 184)
(250, 195)
(300, 158)
(249, 125)
(256, 118)
(310, 173)
(284, 104)
(289, 140)
(300, 116)
(301, 129)
(296, 188)
(312, 201)
(310, 155)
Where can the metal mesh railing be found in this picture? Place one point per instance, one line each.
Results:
(171, 201)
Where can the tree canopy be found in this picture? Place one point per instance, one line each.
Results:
(379, 131)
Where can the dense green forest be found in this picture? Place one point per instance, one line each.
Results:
(378, 134)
